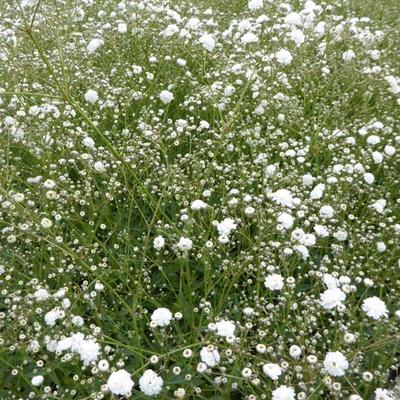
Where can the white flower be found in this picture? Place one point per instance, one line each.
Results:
(283, 393)
(286, 220)
(37, 380)
(348, 55)
(330, 281)
(335, 363)
(283, 57)
(273, 371)
(308, 240)
(249, 211)
(379, 206)
(394, 84)
(88, 142)
(77, 320)
(158, 242)
(302, 250)
(295, 351)
(369, 178)
(103, 365)
(93, 45)
(88, 351)
(381, 247)
(198, 205)
(122, 28)
(207, 41)
(184, 244)
(249, 37)
(293, 18)
(166, 96)
(210, 356)
(150, 383)
(46, 223)
(161, 317)
(248, 311)
(91, 96)
(51, 317)
(383, 394)
(170, 30)
(374, 307)
(226, 226)
(283, 197)
(99, 166)
(41, 294)
(297, 36)
(255, 4)
(225, 328)
(120, 383)
(332, 298)
(389, 150)
(274, 282)
(317, 192)
(340, 235)
(326, 212)
(321, 230)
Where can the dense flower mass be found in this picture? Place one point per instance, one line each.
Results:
(199, 199)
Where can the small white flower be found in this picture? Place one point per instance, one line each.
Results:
(88, 142)
(166, 96)
(283, 57)
(273, 371)
(375, 308)
(326, 212)
(348, 55)
(335, 363)
(99, 166)
(283, 197)
(207, 41)
(295, 352)
(210, 356)
(225, 328)
(103, 365)
(120, 383)
(46, 223)
(41, 295)
(91, 96)
(161, 317)
(297, 36)
(274, 282)
(158, 242)
(332, 298)
(88, 351)
(51, 317)
(249, 37)
(198, 205)
(255, 4)
(77, 320)
(369, 178)
(150, 383)
(93, 45)
(283, 393)
(226, 226)
(286, 220)
(122, 28)
(37, 380)
(383, 394)
(246, 372)
(184, 244)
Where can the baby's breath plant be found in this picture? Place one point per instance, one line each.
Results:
(199, 199)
